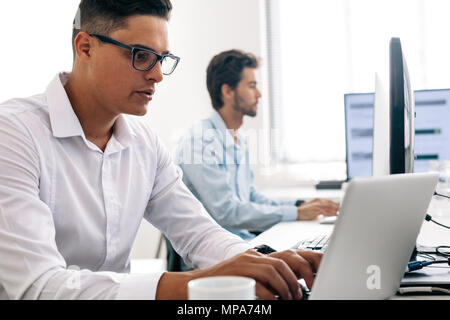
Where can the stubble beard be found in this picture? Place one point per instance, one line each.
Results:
(245, 110)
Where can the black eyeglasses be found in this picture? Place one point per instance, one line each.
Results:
(144, 59)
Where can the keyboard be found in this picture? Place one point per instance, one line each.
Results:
(317, 242)
(330, 184)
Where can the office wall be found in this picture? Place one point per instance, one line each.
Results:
(199, 29)
(35, 44)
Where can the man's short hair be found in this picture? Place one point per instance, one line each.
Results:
(106, 16)
(226, 68)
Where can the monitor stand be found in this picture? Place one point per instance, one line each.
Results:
(330, 184)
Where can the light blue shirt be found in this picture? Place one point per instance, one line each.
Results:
(217, 171)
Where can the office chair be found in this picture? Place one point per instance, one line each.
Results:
(175, 262)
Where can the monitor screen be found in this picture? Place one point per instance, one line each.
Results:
(432, 130)
(359, 133)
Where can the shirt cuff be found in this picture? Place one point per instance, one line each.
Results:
(289, 213)
(139, 286)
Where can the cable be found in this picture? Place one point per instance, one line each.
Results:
(437, 251)
(417, 265)
(430, 218)
(441, 195)
(426, 255)
(443, 254)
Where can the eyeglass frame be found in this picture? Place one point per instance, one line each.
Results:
(135, 50)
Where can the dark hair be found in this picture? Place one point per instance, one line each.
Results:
(226, 68)
(106, 16)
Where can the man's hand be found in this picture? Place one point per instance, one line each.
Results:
(311, 209)
(275, 274)
(304, 263)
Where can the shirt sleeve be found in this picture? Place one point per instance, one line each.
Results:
(31, 267)
(210, 181)
(175, 211)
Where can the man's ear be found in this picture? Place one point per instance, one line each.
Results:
(83, 46)
(227, 92)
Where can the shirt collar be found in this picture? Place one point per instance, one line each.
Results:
(64, 121)
(123, 132)
(219, 124)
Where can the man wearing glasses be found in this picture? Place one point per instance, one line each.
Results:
(77, 175)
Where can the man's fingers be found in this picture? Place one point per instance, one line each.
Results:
(276, 275)
(335, 206)
(324, 204)
(284, 269)
(330, 204)
(312, 257)
(303, 268)
(275, 280)
(329, 212)
(328, 208)
(263, 293)
(261, 269)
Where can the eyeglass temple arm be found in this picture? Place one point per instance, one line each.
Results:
(112, 41)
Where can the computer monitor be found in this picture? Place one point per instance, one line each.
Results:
(401, 119)
(393, 133)
(401, 112)
(432, 130)
(367, 123)
(359, 134)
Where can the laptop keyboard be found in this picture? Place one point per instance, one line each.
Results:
(317, 242)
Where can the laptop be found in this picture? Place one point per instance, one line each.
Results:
(433, 276)
(372, 241)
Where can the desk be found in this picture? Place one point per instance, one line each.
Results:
(307, 192)
(284, 235)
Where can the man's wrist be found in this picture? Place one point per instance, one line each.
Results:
(299, 202)
(174, 285)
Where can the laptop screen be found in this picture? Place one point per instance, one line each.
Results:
(432, 130)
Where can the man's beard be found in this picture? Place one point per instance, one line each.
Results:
(246, 110)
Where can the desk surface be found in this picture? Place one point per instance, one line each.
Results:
(286, 234)
(307, 192)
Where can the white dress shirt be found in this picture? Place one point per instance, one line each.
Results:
(69, 213)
